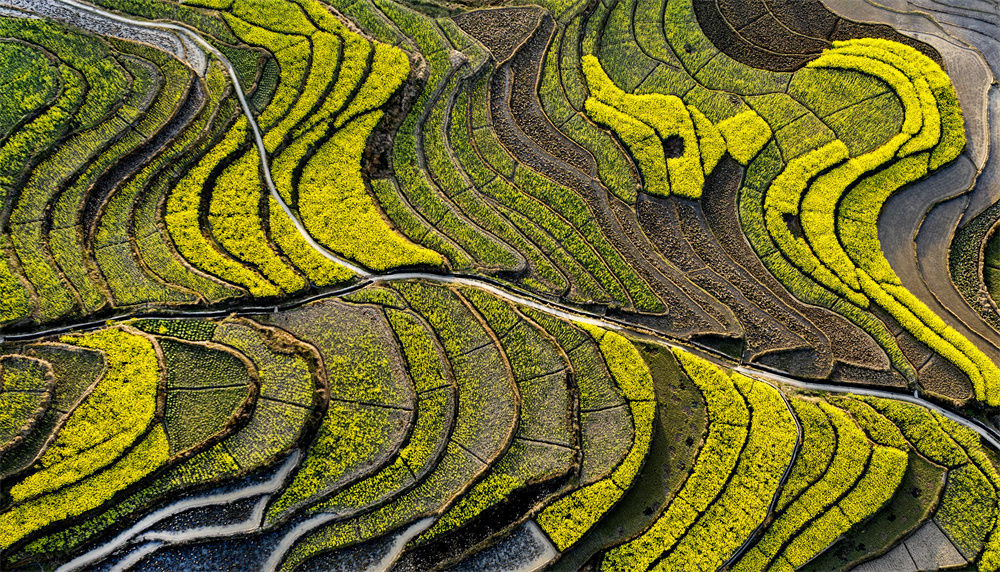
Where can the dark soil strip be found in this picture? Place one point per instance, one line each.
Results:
(717, 21)
(785, 333)
(501, 30)
(130, 163)
(527, 109)
(783, 35)
(689, 309)
(843, 340)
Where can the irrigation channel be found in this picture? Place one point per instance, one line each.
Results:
(147, 542)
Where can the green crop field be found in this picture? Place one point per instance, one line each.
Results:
(297, 285)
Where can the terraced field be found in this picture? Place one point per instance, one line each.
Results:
(606, 285)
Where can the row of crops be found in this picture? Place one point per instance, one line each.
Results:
(133, 182)
(410, 400)
(127, 407)
(813, 190)
(499, 177)
(655, 163)
(420, 400)
(515, 157)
